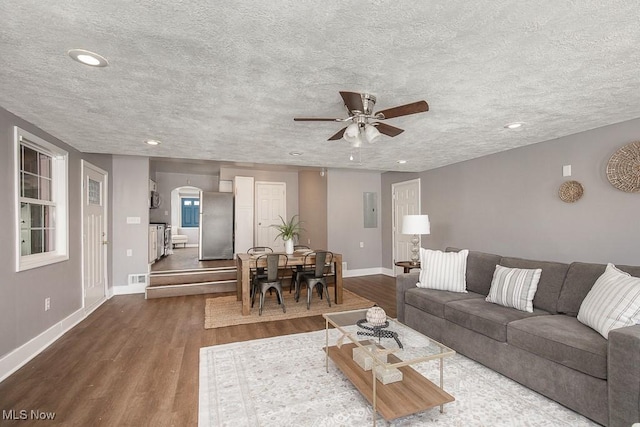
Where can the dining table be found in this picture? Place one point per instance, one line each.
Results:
(246, 262)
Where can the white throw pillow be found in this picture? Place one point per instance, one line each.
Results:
(613, 302)
(514, 287)
(446, 271)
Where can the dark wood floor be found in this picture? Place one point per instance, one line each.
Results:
(187, 259)
(134, 362)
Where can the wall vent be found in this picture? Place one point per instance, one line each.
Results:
(137, 279)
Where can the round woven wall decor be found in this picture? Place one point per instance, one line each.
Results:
(623, 169)
(570, 191)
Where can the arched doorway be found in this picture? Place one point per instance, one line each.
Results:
(184, 214)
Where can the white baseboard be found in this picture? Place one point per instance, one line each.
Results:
(388, 272)
(13, 361)
(362, 272)
(137, 288)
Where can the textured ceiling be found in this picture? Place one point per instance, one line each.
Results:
(223, 80)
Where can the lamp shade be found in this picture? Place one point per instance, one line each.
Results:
(416, 224)
(352, 135)
(371, 133)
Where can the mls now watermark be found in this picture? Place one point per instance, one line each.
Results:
(23, 414)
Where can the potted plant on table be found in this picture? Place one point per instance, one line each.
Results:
(288, 230)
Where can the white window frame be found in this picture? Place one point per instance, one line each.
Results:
(59, 193)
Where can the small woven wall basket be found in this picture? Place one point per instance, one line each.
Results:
(623, 169)
(570, 191)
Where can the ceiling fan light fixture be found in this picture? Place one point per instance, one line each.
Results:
(371, 133)
(352, 135)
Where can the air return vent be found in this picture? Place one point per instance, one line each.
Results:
(137, 279)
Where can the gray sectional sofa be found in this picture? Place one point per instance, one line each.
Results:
(548, 350)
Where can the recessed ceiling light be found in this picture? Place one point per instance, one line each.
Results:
(401, 162)
(152, 142)
(295, 153)
(514, 125)
(88, 58)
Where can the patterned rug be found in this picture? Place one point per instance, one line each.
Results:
(226, 311)
(282, 381)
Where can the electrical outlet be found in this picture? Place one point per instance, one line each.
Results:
(47, 304)
(129, 252)
(308, 241)
(362, 244)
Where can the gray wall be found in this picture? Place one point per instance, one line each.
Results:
(313, 209)
(346, 220)
(130, 199)
(168, 181)
(22, 315)
(508, 203)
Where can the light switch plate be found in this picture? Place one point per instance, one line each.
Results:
(566, 170)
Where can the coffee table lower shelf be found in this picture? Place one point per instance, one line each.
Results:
(413, 394)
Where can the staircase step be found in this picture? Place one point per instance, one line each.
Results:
(179, 277)
(190, 289)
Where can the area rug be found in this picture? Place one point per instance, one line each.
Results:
(282, 381)
(227, 311)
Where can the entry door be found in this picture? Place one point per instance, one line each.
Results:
(270, 205)
(406, 201)
(94, 234)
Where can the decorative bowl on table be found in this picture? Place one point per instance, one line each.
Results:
(376, 316)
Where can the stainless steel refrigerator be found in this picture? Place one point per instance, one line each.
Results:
(216, 226)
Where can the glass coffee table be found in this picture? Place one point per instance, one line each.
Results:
(396, 347)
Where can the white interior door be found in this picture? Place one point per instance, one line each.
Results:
(270, 206)
(406, 201)
(94, 234)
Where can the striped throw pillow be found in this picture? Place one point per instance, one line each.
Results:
(445, 271)
(514, 287)
(613, 302)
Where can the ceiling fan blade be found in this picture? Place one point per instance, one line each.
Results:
(337, 135)
(388, 130)
(353, 101)
(314, 119)
(403, 110)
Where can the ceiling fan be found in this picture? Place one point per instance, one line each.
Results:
(364, 124)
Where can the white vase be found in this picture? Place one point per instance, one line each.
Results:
(288, 246)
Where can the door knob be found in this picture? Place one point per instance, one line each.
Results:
(105, 242)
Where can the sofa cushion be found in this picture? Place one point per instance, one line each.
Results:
(480, 268)
(484, 317)
(613, 302)
(579, 281)
(433, 301)
(443, 270)
(562, 339)
(514, 287)
(550, 284)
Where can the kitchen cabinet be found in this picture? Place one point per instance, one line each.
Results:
(153, 243)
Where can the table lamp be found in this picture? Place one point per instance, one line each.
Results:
(416, 225)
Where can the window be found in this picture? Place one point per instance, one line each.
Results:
(190, 212)
(41, 202)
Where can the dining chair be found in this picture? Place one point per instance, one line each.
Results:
(257, 272)
(295, 269)
(276, 266)
(317, 277)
